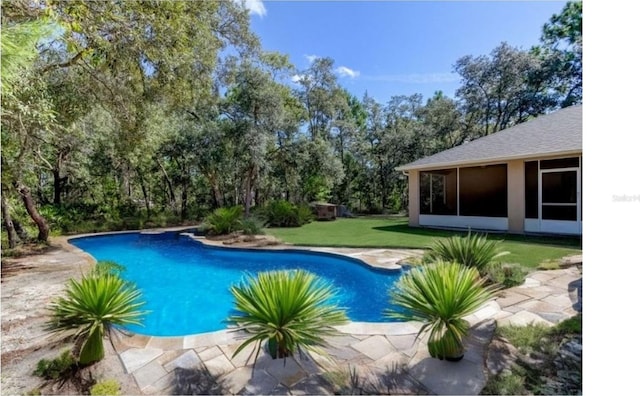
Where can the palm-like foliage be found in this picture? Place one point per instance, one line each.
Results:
(288, 309)
(474, 250)
(223, 221)
(90, 307)
(440, 295)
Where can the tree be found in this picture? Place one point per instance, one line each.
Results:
(561, 53)
(501, 90)
(325, 103)
(255, 106)
(444, 122)
(26, 114)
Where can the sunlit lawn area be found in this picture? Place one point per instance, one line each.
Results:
(393, 232)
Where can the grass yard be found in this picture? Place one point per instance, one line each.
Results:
(393, 232)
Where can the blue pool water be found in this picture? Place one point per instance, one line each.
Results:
(185, 284)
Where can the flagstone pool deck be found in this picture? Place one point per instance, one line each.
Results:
(386, 356)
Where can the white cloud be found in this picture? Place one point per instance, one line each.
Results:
(254, 6)
(296, 78)
(311, 58)
(416, 78)
(344, 71)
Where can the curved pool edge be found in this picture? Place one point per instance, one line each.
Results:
(63, 240)
(367, 261)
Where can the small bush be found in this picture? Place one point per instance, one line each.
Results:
(527, 338)
(549, 265)
(106, 387)
(569, 326)
(474, 250)
(60, 367)
(508, 275)
(506, 384)
(305, 214)
(252, 226)
(104, 267)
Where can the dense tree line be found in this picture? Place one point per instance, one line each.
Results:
(147, 108)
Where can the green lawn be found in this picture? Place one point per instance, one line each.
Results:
(393, 232)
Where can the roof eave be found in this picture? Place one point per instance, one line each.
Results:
(452, 164)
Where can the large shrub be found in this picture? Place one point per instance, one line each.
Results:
(89, 309)
(474, 250)
(281, 213)
(288, 310)
(440, 295)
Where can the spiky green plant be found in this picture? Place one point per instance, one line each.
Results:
(474, 250)
(288, 309)
(223, 221)
(90, 307)
(440, 295)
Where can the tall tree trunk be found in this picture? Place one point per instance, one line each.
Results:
(58, 185)
(27, 199)
(8, 223)
(247, 192)
(184, 198)
(172, 195)
(144, 193)
(22, 233)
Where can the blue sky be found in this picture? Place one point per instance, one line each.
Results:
(396, 47)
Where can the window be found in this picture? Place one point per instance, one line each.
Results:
(483, 191)
(438, 192)
(560, 163)
(559, 195)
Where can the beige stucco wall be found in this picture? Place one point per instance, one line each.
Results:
(414, 198)
(515, 196)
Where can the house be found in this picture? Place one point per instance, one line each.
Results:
(523, 179)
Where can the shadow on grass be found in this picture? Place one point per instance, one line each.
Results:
(559, 241)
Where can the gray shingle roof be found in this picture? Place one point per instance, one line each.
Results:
(556, 133)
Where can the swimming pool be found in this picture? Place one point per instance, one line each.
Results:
(185, 284)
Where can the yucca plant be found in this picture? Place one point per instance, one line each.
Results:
(474, 250)
(90, 307)
(290, 310)
(440, 295)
